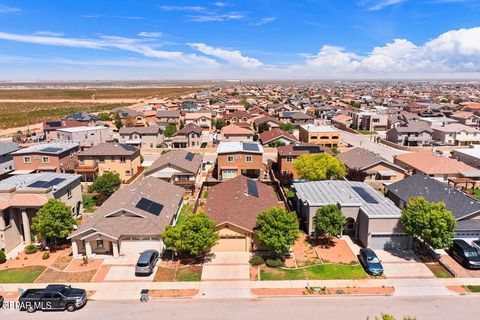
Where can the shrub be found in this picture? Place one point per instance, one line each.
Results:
(30, 249)
(274, 263)
(3, 257)
(256, 261)
(45, 255)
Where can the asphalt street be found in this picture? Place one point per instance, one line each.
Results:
(351, 308)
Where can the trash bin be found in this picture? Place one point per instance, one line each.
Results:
(144, 296)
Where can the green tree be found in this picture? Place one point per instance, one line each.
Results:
(219, 124)
(429, 221)
(104, 116)
(277, 229)
(214, 100)
(106, 184)
(321, 166)
(279, 143)
(285, 126)
(329, 221)
(263, 127)
(53, 221)
(170, 130)
(117, 120)
(245, 103)
(195, 236)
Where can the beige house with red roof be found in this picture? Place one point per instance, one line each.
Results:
(235, 133)
(234, 206)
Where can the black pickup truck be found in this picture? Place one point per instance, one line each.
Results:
(53, 297)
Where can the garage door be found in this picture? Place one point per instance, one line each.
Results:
(231, 244)
(138, 245)
(467, 236)
(391, 241)
(228, 174)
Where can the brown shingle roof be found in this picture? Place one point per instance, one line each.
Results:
(110, 149)
(176, 158)
(229, 202)
(430, 163)
(360, 158)
(276, 133)
(191, 127)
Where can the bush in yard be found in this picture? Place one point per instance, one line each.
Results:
(329, 221)
(256, 261)
(321, 166)
(46, 255)
(277, 229)
(106, 184)
(30, 249)
(274, 263)
(3, 257)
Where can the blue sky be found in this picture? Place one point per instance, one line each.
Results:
(261, 39)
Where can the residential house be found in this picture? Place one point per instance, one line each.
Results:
(127, 113)
(85, 118)
(85, 136)
(297, 118)
(271, 122)
(456, 134)
(201, 119)
(415, 133)
(237, 117)
(371, 218)
(234, 206)
(470, 156)
(464, 208)
(58, 157)
(235, 133)
(21, 196)
(239, 158)
(369, 121)
(189, 106)
(288, 153)
(6, 157)
(466, 118)
(376, 168)
(142, 137)
(168, 117)
(277, 136)
(123, 159)
(179, 167)
(435, 165)
(189, 136)
(327, 136)
(50, 127)
(130, 221)
(342, 120)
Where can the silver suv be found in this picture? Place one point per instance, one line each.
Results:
(146, 263)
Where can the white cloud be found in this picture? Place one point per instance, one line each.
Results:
(379, 5)
(48, 33)
(214, 17)
(7, 9)
(182, 8)
(234, 57)
(263, 21)
(150, 34)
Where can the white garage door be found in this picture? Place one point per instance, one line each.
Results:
(391, 241)
(467, 236)
(228, 174)
(138, 245)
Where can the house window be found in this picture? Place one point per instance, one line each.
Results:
(69, 193)
(27, 160)
(6, 219)
(230, 159)
(289, 159)
(45, 160)
(123, 159)
(127, 173)
(100, 244)
(248, 159)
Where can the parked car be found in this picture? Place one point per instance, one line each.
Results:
(465, 254)
(146, 262)
(370, 262)
(53, 297)
(476, 245)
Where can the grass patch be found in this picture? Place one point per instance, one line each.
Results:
(317, 272)
(191, 273)
(21, 275)
(88, 203)
(205, 194)
(187, 210)
(366, 132)
(475, 289)
(438, 270)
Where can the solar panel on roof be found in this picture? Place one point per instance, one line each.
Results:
(53, 182)
(37, 184)
(252, 188)
(250, 147)
(149, 206)
(189, 156)
(362, 192)
(310, 149)
(51, 149)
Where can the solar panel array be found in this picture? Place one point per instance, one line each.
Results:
(310, 149)
(250, 146)
(46, 184)
(51, 149)
(362, 192)
(149, 206)
(189, 156)
(252, 188)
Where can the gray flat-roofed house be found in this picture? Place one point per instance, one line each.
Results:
(6, 158)
(371, 218)
(464, 208)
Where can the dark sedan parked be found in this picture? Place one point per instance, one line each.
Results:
(370, 262)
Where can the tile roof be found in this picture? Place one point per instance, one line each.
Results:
(455, 127)
(110, 149)
(233, 129)
(431, 163)
(178, 159)
(276, 133)
(191, 127)
(361, 158)
(229, 201)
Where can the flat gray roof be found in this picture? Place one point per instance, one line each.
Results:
(320, 193)
(22, 181)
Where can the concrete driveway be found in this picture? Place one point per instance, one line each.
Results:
(403, 264)
(227, 266)
(126, 273)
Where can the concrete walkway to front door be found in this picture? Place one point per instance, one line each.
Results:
(226, 275)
